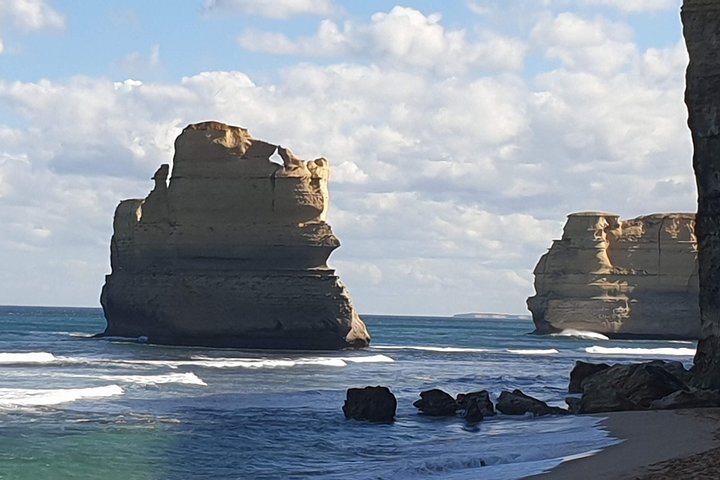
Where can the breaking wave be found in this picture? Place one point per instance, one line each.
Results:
(431, 349)
(539, 351)
(26, 358)
(675, 352)
(582, 334)
(370, 359)
(38, 358)
(239, 362)
(188, 378)
(21, 397)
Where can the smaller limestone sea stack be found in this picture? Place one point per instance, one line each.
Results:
(622, 278)
(231, 252)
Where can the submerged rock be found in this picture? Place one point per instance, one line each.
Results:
(231, 252)
(370, 403)
(621, 278)
(517, 403)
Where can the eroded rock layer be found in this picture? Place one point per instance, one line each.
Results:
(622, 278)
(231, 252)
(701, 28)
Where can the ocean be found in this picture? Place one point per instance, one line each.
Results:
(75, 407)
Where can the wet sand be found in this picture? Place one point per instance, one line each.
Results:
(658, 444)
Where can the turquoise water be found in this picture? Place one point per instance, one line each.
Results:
(74, 407)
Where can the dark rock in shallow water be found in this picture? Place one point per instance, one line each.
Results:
(476, 401)
(573, 404)
(370, 403)
(630, 387)
(473, 411)
(437, 403)
(517, 403)
(581, 371)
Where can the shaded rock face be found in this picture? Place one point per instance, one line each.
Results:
(518, 403)
(376, 404)
(622, 278)
(628, 387)
(437, 403)
(701, 29)
(231, 252)
(581, 371)
(472, 406)
(641, 386)
(477, 405)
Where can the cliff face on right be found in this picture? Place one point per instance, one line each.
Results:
(701, 29)
(622, 278)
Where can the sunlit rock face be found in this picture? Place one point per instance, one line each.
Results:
(701, 28)
(232, 251)
(622, 278)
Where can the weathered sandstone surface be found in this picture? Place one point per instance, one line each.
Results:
(231, 252)
(622, 278)
(701, 28)
(653, 385)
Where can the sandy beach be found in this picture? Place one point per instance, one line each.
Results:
(659, 444)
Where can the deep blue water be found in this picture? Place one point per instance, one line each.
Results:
(74, 407)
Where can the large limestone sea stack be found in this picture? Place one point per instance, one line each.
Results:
(231, 252)
(622, 278)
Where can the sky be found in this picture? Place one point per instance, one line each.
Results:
(460, 133)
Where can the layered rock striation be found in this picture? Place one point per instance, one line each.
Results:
(232, 251)
(622, 278)
(701, 29)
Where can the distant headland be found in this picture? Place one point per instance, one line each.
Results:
(493, 316)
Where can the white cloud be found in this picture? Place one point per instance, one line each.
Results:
(30, 14)
(402, 36)
(447, 183)
(329, 40)
(585, 45)
(272, 8)
(636, 6)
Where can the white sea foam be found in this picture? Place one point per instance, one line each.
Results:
(369, 359)
(20, 397)
(26, 357)
(195, 361)
(230, 362)
(538, 351)
(431, 349)
(225, 362)
(582, 334)
(187, 378)
(679, 352)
